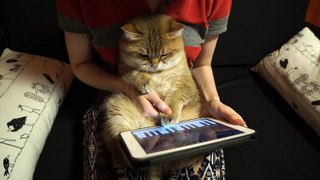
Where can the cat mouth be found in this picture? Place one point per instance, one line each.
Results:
(153, 69)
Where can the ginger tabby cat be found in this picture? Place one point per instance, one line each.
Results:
(152, 57)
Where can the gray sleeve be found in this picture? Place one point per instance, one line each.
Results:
(71, 25)
(217, 27)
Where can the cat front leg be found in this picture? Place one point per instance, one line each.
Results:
(174, 117)
(142, 82)
(184, 105)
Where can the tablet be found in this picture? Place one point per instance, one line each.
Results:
(160, 144)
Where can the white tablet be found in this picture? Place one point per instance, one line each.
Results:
(159, 144)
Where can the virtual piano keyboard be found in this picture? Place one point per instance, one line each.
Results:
(182, 126)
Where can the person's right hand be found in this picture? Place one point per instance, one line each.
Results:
(152, 105)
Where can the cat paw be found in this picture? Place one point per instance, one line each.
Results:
(168, 119)
(144, 89)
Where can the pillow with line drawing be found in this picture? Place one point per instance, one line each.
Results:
(32, 88)
(294, 71)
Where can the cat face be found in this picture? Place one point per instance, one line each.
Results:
(152, 43)
(152, 60)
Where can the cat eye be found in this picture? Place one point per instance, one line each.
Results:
(163, 55)
(144, 56)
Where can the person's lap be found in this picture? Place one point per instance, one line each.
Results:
(98, 162)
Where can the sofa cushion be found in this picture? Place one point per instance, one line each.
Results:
(32, 89)
(294, 71)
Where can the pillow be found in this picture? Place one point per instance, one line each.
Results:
(31, 90)
(294, 71)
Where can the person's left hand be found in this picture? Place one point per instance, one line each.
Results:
(219, 110)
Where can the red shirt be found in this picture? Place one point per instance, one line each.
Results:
(103, 19)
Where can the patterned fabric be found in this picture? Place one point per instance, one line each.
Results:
(32, 88)
(98, 163)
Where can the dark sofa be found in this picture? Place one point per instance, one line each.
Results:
(285, 148)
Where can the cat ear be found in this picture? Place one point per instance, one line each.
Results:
(130, 32)
(176, 29)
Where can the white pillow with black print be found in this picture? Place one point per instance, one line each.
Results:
(294, 71)
(31, 90)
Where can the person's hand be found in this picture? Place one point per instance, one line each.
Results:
(152, 105)
(219, 110)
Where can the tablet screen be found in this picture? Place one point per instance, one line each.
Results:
(184, 133)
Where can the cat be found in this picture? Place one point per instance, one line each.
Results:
(152, 57)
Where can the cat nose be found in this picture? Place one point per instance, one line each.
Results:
(154, 63)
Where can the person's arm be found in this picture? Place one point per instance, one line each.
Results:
(80, 56)
(203, 75)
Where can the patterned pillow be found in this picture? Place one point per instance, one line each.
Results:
(294, 71)
(31, 90)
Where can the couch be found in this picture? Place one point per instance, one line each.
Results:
(286, 147)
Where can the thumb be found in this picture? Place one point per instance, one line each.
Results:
(227, 113)
(158, 103)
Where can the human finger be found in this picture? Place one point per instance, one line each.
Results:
(158, 103)
(147, 108)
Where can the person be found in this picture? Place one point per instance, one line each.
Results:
(93, 27)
